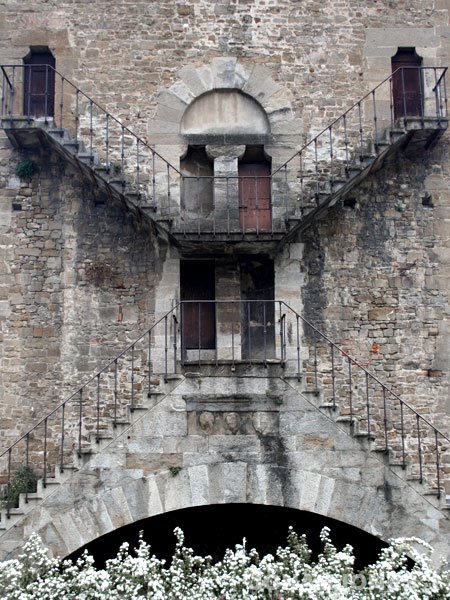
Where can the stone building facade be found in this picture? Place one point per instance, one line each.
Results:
(87, 267)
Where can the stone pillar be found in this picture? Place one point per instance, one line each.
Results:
(226, 186)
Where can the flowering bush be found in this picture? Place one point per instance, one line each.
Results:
(241, 575)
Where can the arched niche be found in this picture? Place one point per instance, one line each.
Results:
(229, 113)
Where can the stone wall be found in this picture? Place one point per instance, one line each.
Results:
(78, 278)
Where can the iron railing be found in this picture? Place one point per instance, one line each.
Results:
(261, 332)
(217, 205)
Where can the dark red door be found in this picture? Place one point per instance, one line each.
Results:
(39, 85)
(254, 197)
(407, 83)
(197, 279)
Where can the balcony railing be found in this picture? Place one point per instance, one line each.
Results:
(266, 333)
(217, 205)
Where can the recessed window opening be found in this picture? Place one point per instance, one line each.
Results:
(197, 190)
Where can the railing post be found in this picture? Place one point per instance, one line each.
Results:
(132, 379)
(165, 348)
(115, 393)
(97, 437)
(419, 448)
(175, 323)
(333, 377)
(386, 442)
(46, 94)
(375, 122)
(350, 388)
(298, 348)
(80, 421)
(404, 92)
(61, 103)
(61, 455)
(368, 404)
(44, 477)
(402, 433)
(8, 485)
(27, 461)
(438, 466)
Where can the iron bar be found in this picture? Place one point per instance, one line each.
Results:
(97, 437)
(165, 349)
(331, 161)
(265, 333)
(368, 405)
(168, 190)
(333, 378)
(46, 94)
(175, 352)
(316, 381)
(350, 389)
(436, 93)
(77, 114)
(8, 485)
(138, 168)
(286, 196)
(80, 421)
(404, 92)
(91, 134)
(347, 156)
(115, 393)
(317, 171)
(402, 433)
(386, 442)
(255, 181)
(375, 122)
(44, 476)
(391, 107)
(132, 379)
(419, 449)
(122, 155)
(361, 140)
(61, 103)
(438, 467)
(107, 144)
(27, 463)
(61, 456)
(249, 332)
(297, 318)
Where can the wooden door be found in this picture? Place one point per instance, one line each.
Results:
(254, 197)
(39, 85)
(197, 279)
(407, 84)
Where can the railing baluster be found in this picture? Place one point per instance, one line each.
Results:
(264, 332)
(154, 181)
(385, 422)
(97, 437)
(122, 155)
(361, 139)
(316, 166)
(138, 169)
(402, 433)
(175, 351)
(46, 94)
(350, 389)
(61, 456)
(77, 115)
(419, 449)
(107, 165)
(91, 133)
(331, 159)
(115, 393)
(132, 379)
(298, 347)
(8, 485)
(169, 212)
(347, 156)
(249, 332)
(80, 421)
(404, 92)
(316, 380)
(44, 476)
(438, 466)
(286, 195)
(368, 404)
(165, 349)
(375, 122)
(61, 103)
(391, 107)
(333, 378)
(27, 462)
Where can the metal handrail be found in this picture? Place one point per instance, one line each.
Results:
(171, 353)
(358, 104)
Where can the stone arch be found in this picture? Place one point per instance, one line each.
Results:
(68, 520)
(225, 112)
(222, 75)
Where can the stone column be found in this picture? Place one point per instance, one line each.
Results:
(226, 186)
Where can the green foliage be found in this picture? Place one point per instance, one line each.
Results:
(174, 471)
(23, 481)
(26, 169)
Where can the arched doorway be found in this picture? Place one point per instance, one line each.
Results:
(407, 85)
(39, 83)
(211, 529)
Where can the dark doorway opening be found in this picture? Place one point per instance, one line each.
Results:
(407, 84)
(212, 529)
(197, 190)
(258, 308)
(39, 83)
(198, 313)
(254, 171)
